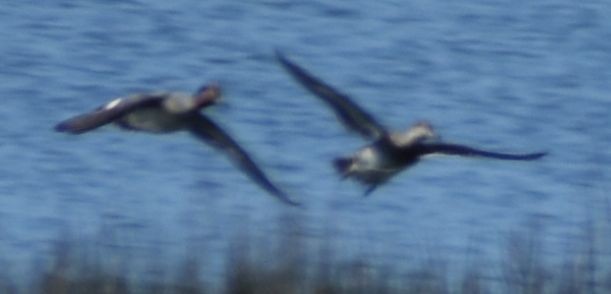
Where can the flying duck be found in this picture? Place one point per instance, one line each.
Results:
(390, 152)
(166, 112)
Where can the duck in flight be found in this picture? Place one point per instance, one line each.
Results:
(166, 112)
(390, 152)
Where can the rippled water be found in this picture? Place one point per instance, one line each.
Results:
(504, 75)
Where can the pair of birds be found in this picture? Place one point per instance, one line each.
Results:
(387, 155)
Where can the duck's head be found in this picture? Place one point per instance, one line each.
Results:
(423, 130)
(418, 132)
(207, 95)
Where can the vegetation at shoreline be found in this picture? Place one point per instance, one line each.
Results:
(289, 266)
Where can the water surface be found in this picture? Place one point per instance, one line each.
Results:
(502, 75)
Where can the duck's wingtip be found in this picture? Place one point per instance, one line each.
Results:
(278, 53)
(281, 57)
(532, 156)
(282, 196)
(285, 199)
(60, 127)
(64, 127)
(369, 190)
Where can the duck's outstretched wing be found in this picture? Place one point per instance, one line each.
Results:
(348, 112)
(106, 113)
(207, 130)
(461, 150)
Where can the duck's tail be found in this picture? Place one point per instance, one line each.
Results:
(342, 165)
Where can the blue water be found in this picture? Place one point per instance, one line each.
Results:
(509, 76)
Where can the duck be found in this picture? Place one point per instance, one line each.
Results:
(169, 112)
(389, 152)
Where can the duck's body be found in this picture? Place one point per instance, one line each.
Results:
(158, 112)
(152, 120)
(376, 163)
(390, 152)
(167, 112)
(154, 117)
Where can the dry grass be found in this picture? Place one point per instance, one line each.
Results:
(290, 265)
